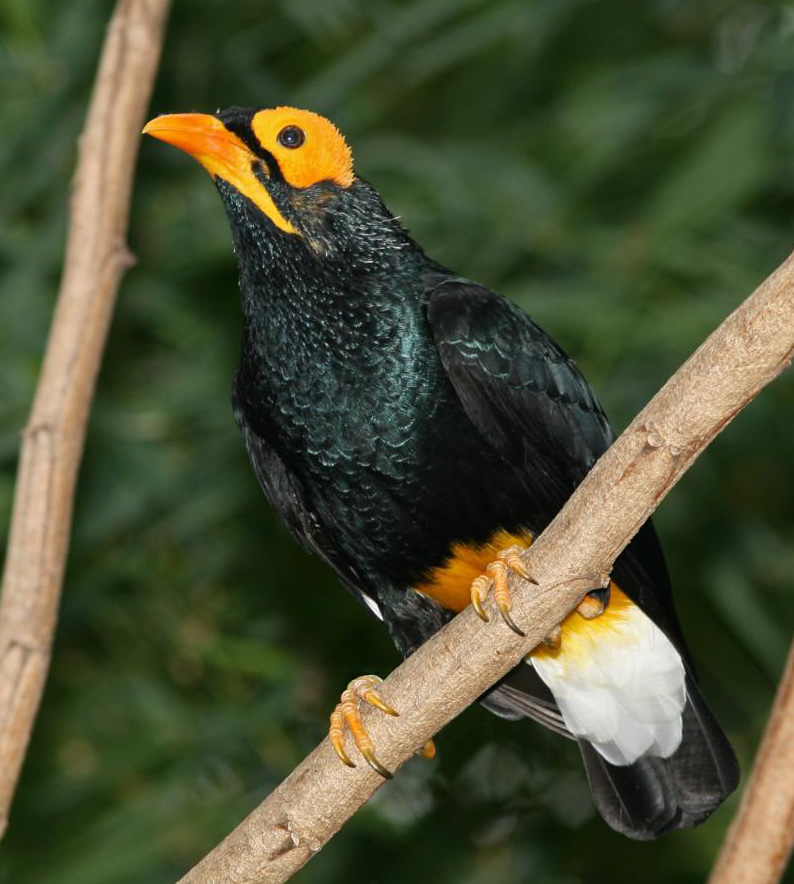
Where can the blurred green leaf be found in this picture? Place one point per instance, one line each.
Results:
(621, 170)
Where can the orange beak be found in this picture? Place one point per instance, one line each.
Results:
(221, 153)
(205, 138)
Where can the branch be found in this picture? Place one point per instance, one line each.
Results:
(759, 841)
(574, 554)
(96, 258)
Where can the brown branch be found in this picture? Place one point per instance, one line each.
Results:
(96, 258)
(761, 836)
(574, 554)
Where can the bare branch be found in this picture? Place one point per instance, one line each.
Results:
(761, 836)
(574, 554)
(96, 258)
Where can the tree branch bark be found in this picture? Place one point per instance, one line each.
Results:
(761, 836)
(96, 258)
(574, 554)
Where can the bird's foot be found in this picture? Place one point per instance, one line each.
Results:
(347, 714)
(496, 576)
(592, 605)
(553, 640)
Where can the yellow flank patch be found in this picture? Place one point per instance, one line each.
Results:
(578, 633)
(450, 584)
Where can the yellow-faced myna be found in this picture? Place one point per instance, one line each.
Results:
(415, 430)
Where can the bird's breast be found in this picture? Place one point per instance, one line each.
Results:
(376, 435)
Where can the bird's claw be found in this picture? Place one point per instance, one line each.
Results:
(553, 640)
(479, 592)
(346, 714)
(428, 751)
(496, 575)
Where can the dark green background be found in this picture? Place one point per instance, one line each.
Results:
(621, 169)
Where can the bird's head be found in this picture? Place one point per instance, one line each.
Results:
(293, 166)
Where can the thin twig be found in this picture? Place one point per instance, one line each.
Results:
(96, 258)
(575, 553)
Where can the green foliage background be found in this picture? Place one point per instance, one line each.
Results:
(623, 170)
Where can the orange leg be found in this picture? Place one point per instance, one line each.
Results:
(347, 715)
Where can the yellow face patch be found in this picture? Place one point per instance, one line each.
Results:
(221, 153)
(307, 147)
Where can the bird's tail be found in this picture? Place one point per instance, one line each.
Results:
(656, 795)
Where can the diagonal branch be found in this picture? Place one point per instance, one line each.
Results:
(96, 258)
(574, 554)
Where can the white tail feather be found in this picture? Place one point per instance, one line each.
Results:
(621, 688)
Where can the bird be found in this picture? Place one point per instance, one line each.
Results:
(416, 431)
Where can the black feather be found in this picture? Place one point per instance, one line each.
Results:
(392, 410)
(656, 795)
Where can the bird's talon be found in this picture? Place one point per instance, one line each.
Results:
(372, 761)
(554, 639)
(495, 576)
(481, 613)
(505, 612)
(512, 558)
(428, 751)
(343, 756)
(479, 592)
(375, 700)
(347, 715)
(336, 733)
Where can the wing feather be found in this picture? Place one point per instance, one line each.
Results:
(531, 402)
(518, 387)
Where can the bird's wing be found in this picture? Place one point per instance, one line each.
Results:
(286, 495)
(531, 402)
(517, 386)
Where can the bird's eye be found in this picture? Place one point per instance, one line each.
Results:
(291, 136)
